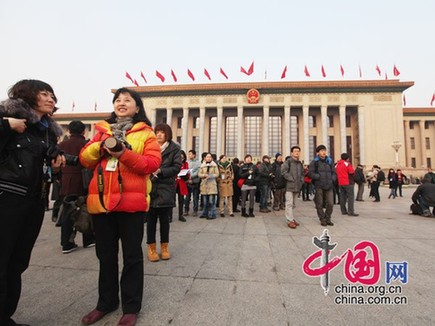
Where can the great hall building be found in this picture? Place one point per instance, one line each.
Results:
(364, 118)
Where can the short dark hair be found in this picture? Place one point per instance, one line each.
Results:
(344, 156)
(294, 147)
(28, 90)
(193, 152)
(236, 160)
(140, 115)
(248, 155)
(76, 127)
(166, 130)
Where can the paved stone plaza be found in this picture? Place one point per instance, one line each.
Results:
(238, 271)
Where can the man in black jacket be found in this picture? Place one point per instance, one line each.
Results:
(360, 180)
(424, 196)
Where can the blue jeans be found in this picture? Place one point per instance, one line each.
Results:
(193, 192)
(209, 205)
(264, 195)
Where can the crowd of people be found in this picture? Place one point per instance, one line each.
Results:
(132, 175)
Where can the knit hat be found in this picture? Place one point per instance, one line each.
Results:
(320, 147)
(277, 155)
(266, 156)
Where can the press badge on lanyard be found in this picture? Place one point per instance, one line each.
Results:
(111, 164)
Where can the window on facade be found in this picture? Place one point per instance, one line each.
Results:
(429, 162)
(312, 121)
(179, 122)
(195, 122)
(213, 135)
(413, 163)
(179, 140)
(411, 124)
(275, 135)
(426, 124)
(348, 123)
(231, 137)
(427, 143)
(412, 142)
(330, 121)
(294, 130)
(331, 148)
(195, 144)
(253, 136)
(313, 145)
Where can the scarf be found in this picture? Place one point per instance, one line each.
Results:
(121, 126)
(164, 146)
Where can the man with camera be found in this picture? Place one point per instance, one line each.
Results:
(72, 184)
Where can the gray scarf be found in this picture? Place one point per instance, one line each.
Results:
(120, 127)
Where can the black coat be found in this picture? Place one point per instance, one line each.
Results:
(322, 173)
(22, 155)
(163, 190)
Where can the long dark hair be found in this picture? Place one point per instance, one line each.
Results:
(140, 115)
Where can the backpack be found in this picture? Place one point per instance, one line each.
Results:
(381, 176)
(75, 208)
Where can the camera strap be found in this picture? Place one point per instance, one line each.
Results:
(100, 184)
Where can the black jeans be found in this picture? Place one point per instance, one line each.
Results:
(21, 219)
(162, 214)
(67, 232)
(109, 229)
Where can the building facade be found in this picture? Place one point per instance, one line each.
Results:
(363, 118)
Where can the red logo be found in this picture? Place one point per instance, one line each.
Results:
(253, 96)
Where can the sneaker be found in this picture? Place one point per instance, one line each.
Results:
(222, 215)
(89, 245)
(232, 215)
(329, 223)
(69, 248)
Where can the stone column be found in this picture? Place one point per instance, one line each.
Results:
(361, 134)
(324, 118)
(153, 116)
(287, 140)
(265, 138)
(406, 145)
(305, 113)
(201, 137)
(169, 116)
(240, 132)
(219, 149)
(342, 112)
(184, 125)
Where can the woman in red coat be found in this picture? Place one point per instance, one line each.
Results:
(181, 185)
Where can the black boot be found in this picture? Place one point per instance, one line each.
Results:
(328, 221)
(244, 212)
(251, 212)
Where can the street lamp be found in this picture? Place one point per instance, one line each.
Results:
(396, 145)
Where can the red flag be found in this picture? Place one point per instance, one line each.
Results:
(284, 72)
(207, 74)
(173, 76)
(378, 70)
(342, 71)
(404, 100)
(432, 100)
(95, 106)
(323, 72)
(190, 75)
(136, 83)
(160, 76)
(143, 76)
(129, 77)
(243, 70)
(223, 73)
(396, 71)
(251, 69)
(386, 76)
(360, 71)
(306, 72)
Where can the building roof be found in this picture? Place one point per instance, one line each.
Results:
(419, 111)
(294, 87)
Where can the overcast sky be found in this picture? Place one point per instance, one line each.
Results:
(84, 48)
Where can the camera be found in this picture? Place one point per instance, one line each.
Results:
(53, 152)
(115, 145)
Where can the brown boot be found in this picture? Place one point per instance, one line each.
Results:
(165, 251)
(152, 252)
